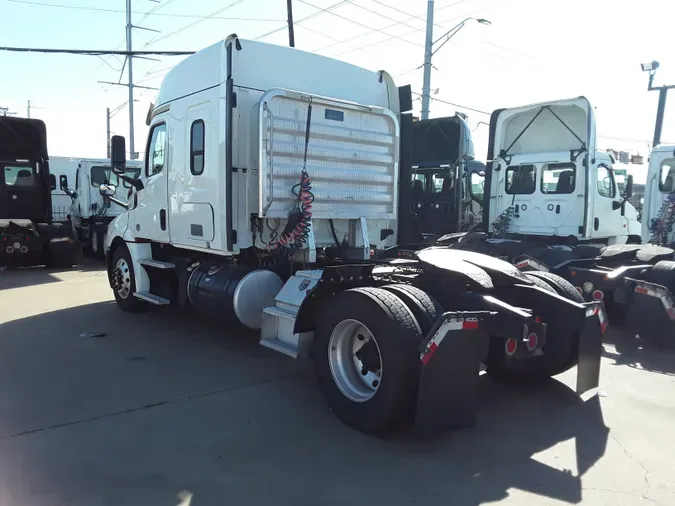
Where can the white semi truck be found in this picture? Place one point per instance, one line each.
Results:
(554, 204)
(89, 212)
(271, 191)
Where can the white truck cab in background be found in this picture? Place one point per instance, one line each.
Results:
(61, 201)
(89, 212)
(550, 180)
(659, 206)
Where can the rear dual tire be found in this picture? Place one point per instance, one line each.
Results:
(373, 388)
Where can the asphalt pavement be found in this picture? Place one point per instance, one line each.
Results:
(103, 407)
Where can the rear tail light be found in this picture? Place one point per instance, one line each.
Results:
(511, 346)
(532, 341)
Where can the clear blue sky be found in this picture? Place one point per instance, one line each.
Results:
(534, 50)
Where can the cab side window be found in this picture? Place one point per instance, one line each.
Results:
(606, 186)
(667, 180)
(155, 155)
(197, 147)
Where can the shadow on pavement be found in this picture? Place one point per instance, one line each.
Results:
(166, 400)
(633, 351)
(39, 275)
(515, 424)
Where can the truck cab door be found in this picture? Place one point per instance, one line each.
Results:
(607, 220)
(149, 219)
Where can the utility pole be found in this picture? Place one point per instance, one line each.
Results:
(31, 107)
(428, 46)
(291, 31)
(107, 130)
(130, 60)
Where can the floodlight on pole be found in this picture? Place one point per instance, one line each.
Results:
(663, 95)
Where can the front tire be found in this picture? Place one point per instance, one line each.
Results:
(97, 244)
(366, 358)
(123, 282)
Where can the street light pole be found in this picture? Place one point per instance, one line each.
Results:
(428, 47)
(429, 51)
(107, 131)
(130, 60)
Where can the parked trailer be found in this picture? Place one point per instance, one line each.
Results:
(28, 236)
(274, 210)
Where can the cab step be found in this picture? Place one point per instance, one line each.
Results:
(278, 322)
(152, 298)
(157, 264)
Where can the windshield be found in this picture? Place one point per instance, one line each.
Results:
(104, 175)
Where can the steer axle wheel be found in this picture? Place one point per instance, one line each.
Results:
(366, 358)
(123, 283)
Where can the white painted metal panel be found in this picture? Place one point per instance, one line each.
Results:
(352, 156)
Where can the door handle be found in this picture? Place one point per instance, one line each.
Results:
(162, 219)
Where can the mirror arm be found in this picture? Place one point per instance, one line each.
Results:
(118, 202)
(136, 183)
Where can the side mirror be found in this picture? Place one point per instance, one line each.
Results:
(63, 182)
(52, 182)
(107, 190)
(118, 154)
(616, 205)
(628, 192)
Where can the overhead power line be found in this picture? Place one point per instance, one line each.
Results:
(145, 14)
(94, 52)
(306, 18)
(381, 30)
(155, 40)
(420, 17)
(473, 109)
(373, 30)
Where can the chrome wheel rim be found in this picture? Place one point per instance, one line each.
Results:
(355, 360)
(122, 278)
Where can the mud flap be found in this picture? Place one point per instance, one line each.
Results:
(527, 263)
(451, 357)
(590, 347)
(651, 311)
